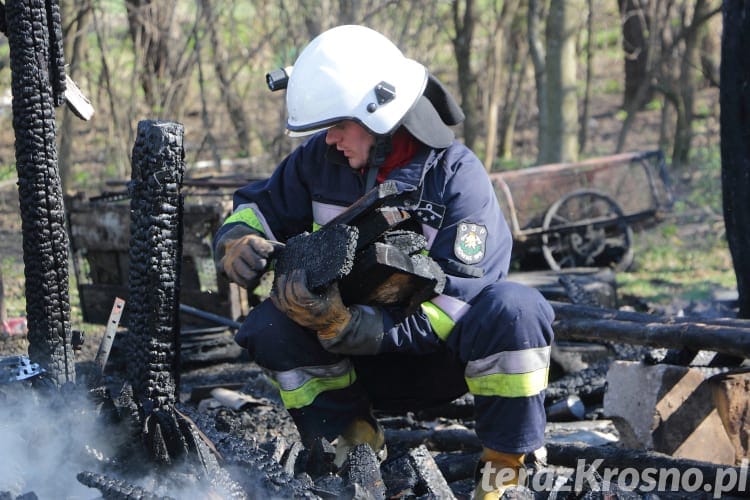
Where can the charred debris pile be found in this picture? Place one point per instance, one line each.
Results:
(79, 430)
(158, 429)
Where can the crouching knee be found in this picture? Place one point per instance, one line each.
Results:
(519, 313)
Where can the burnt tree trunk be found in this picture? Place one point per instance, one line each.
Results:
(734, 101)
(38, 83)
(155, 254)
(153, 285)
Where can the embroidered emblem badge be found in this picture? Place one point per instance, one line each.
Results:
(469, 246)
(430, 213)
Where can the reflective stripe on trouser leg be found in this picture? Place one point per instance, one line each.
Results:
(300, 386)
(319, 389)
(505, 339)
(511, 374)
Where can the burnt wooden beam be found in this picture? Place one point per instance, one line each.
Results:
(431, 478)
(434, 439)
(111, 487)
(576, 454)
(38, 83)
(579, 322)
(154, 284)
(373, 199)
(458, 465)
(155, 253)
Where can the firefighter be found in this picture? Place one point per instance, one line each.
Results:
(372, 114)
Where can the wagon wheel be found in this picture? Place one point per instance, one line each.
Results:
(586, 228)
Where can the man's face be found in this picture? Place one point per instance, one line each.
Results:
(353, 140)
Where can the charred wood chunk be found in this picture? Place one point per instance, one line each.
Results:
(431, 480)
(409, 242)
(165, 436)
(253, 467)
(326, 255)
(457, 465)
(320, 459)
(588, 384)
(400, 477)
(330, 486)
(294, 458)
(385, 275)
(362, 469)
(116, 488)
(375, 224)
(45, 240)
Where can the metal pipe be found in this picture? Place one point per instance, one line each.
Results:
(221, 320)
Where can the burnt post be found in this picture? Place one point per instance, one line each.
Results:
(34, 35)
(155, 256)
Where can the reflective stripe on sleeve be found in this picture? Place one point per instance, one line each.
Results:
(510, 374)
(299, 387)
(250, 215)
(443, 312)
(323, 213)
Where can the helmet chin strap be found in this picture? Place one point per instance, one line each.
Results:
(378, 153)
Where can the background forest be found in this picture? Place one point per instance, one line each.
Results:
(535, 78)
(540, 81)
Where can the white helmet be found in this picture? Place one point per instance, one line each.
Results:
(352, 73)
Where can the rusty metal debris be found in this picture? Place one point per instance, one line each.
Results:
(15, 368)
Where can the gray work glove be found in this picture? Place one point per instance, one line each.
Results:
(246, 258)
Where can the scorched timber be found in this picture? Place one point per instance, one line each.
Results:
(568, 455)
(38, 83)
(577, 322)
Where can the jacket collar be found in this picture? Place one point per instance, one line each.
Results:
(408, 177)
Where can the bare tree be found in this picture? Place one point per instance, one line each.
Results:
(636, 22)
(498, 74)
(585, 112)
(562, 102)
(513, 93)
(536, 12)
(673, 70)
(464, 23)
(683, 96)
(734, 100)
(78, 14)
(3, 309)
(164, 55)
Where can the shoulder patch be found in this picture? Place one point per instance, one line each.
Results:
(469, 246)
